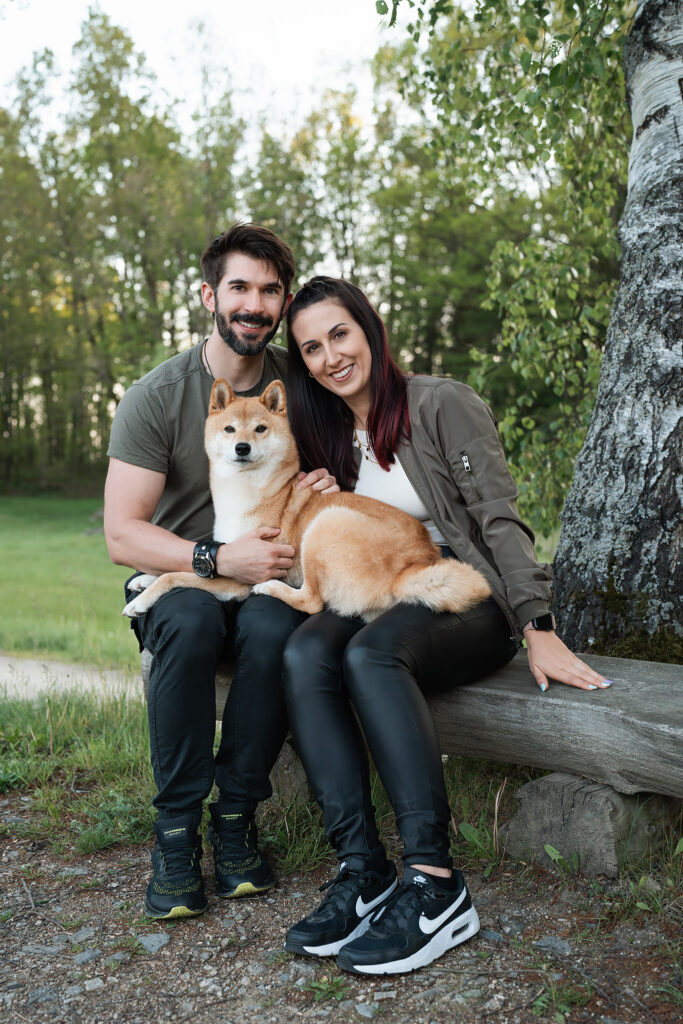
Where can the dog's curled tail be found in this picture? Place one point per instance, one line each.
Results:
(445, 586)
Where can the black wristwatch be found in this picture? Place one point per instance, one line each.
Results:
(204, 559)
(544, 623)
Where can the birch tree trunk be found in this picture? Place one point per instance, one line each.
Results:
(618, 563)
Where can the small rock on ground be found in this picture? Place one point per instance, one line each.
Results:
(553, 944)
(153, 942)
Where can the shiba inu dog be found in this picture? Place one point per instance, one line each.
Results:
(354, 555)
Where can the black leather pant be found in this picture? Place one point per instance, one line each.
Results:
(385, 668)
(188, 631)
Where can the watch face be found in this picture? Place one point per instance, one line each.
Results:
(544, 622)
(201, 566)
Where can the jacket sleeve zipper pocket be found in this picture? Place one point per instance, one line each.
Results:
(468, 469)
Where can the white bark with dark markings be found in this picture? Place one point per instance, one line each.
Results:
(618, 563)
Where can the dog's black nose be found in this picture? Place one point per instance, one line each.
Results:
(242, 448)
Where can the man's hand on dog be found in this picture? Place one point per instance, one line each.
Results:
(254, 558)
(320, 480)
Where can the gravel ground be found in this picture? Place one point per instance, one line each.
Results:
(74, 948)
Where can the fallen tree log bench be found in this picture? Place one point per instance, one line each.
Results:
(616, 755)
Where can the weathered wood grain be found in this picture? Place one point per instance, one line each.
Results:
(629, 736)
(588, 820)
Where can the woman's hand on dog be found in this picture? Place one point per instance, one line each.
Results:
(320, 480)
(254, 558)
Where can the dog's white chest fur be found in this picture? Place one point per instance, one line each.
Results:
(235, 502)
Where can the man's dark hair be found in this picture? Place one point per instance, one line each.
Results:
(254, 241)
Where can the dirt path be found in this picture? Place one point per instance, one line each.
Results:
(27, 677)
(74, 948)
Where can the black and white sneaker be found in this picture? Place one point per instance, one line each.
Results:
(345, 912)
(419, 923)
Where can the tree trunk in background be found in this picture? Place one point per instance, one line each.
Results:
(618, 563)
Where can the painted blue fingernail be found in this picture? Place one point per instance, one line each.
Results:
(607, 682)
(592, 686)
(544, 687)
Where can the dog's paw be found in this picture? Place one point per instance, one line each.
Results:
(264, 588)
(135, 608)
(142, 582)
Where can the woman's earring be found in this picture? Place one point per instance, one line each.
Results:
(310, 374)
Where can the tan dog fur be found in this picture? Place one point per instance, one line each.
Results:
(354, 555)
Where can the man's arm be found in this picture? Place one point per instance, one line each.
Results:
(131, 495)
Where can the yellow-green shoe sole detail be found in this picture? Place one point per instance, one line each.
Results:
(245, 889)
(174, 912)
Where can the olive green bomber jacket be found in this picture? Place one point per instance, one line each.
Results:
(455, 461)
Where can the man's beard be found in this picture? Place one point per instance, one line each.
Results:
(239, 345)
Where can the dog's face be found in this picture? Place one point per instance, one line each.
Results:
(245, 433)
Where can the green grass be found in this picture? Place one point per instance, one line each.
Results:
(293, 835)
(84, 759)
(653, 885)
(61, 596)
(329, 986)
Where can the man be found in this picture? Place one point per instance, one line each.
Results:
(159, 518)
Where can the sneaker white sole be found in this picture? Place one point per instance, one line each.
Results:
(450, 936)
(332, 948)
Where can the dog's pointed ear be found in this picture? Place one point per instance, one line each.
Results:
(274, 397)
(221, 396)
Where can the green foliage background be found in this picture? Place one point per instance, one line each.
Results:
(477, 205)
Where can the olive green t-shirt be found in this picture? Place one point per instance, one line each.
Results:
(159, 425)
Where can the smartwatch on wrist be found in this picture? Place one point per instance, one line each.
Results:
(204, 559)
(544, 623)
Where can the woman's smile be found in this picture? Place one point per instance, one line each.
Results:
(340, 375)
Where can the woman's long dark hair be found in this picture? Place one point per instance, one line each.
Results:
(321, 421)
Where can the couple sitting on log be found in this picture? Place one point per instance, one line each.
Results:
(424, 445)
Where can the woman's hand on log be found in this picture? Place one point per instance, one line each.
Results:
(549, 658)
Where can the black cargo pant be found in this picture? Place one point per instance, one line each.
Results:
(188, 632)
(384, 668)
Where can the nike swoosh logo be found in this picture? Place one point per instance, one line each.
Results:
(363, 908)
(430, 924)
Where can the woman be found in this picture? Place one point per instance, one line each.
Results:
(430, 447)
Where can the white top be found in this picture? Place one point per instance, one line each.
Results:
(391, 486)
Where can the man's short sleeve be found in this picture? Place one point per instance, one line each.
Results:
(139, 434)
